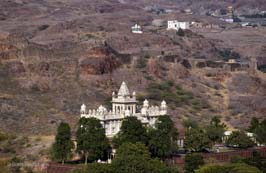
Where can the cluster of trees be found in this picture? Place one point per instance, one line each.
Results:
(130, 158)
(259, 130)
(194, 163)
(138, 147)
(161, 140)
(144, 149)
(199, 138)
(254, 164)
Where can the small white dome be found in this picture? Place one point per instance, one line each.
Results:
(163, 104)
(146, 103)
(83, 108)
(101, 109)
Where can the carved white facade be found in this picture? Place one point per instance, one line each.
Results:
(176, 25)
(124, 105)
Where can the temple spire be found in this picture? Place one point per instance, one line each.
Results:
(123, 91)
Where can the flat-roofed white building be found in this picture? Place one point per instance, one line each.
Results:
(136, 29)
(176, 25)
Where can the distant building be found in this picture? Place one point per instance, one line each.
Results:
(124, 105)
(136, 29)
(176, 25)
(228, 20)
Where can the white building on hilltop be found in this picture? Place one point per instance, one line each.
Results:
(136, 29)
(124, 105)
(176, 25)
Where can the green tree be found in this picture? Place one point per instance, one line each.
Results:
(180, 32)
(162, 139)
(260, 132)
(61, 149)
(132, 131)
(193, 162)
(229, 168)
(135, 158)
(253, 124)
(189, 123)
(215, 131)
(239, 139)
(196, 139)
(91, 139)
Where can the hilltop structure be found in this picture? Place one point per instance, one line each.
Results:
(124, 105)
(176, 25)
(136, 29)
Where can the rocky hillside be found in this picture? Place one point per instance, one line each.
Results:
(60, 54)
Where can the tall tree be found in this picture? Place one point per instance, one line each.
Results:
(239, 139)
(61, 149)
(91, 139)
(260, 132)
(132, 131)
(162, 139)
(193, 162)
(196, 139)
(254, 123)
(215, 131)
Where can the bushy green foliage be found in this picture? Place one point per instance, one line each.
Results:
(215, 131)
(262, 68)
(196, 139)
(162, 139)
(260, 132)
(254, 123)
(61, 149)
(130, 158)
(91, 139)
(229, 54)
(189, 123)
(175, 95)
(142, 61)
(135, 158)
(239, 139)
(3, 136)
(132, 131)
(229, 168)
(193, 162)
(180, 32)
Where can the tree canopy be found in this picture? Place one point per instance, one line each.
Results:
(162, 139)
(91, 139)
(132, 131)
(193, 162)
(254, 123)
(260, 131)
(61, 149)
(196, 139)
(135, 158)
(239, 139)
(215, 131)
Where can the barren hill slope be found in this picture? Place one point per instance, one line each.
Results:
(56, 55)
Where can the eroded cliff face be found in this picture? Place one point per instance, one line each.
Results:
(99, 60)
